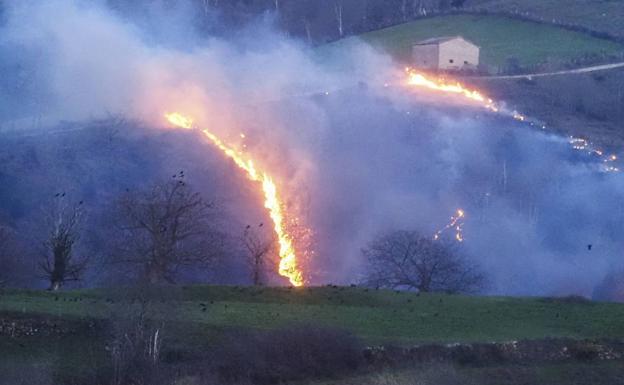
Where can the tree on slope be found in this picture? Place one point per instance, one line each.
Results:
(6, 255)
(59, 263)
(407, 260)
(166, 228)
(259, 247)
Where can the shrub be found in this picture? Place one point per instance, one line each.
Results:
(294, 353)
(584, 351)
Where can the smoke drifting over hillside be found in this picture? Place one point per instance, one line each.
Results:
(354, 161)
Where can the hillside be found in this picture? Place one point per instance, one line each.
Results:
(582, 105)
(500, 38)
(316, 20)
(592, 111)
(601, 16)
(375, 316)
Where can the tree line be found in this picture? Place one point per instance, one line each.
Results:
(315, 20)
(168, 226)
(93, 207)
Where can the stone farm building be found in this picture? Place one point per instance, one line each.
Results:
(451, 53)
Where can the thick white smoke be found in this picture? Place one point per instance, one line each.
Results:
(355, 161)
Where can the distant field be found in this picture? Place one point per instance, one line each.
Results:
(499, 38)
(375, 316)
(603, 16)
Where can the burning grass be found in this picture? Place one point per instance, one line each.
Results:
(288, 260)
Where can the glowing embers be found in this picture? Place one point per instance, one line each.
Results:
(288, 266)
(179, 120)
(417, 79)
(456, 224)
(608, 161)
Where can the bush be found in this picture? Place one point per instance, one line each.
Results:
(569, 299)
(435, 374)
(294, 353)
(585, 351)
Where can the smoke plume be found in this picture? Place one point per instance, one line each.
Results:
(353, 157)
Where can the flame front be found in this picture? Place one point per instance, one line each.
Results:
(288, 260)
(179, 120)
(417, 79)
(420, 80)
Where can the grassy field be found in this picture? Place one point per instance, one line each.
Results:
(603, 16)
(203, 319)
(498, 37)
(375, 316)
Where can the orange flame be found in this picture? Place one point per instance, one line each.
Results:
(179, 120)
(417, 79)
(288, 261)
(456, 224)
(421, 80)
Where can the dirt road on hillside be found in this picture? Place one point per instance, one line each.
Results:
(602, 67)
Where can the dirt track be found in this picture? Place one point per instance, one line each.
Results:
(602, 67)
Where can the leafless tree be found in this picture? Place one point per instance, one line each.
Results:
(419, 8)
(166, 228)
(338, 8)
(59, 264)
(308, 9)
(136, 344)
(458, 3)
(406, 260)
(404, 11)
(6, 255)
(259, 247)
(206, 7)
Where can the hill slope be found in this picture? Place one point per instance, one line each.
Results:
(499, 38)
(602, 16)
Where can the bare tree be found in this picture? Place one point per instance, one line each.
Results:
(259, 248)
(444, 5)
(308, 9)
(166, 228)
(406, 260)
(206, 7)
(404, 11)
(136, 345)
(458, 3)
(308, 29)
(6, 255)
(338, 8)
(419, 8)
(59, 262)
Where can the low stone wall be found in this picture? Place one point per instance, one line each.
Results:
(547, 350)
(20, 326)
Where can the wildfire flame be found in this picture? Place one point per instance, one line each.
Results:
(417, 79)
(288, 260)
(288, 266)
(420, 80)
(456, 223)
